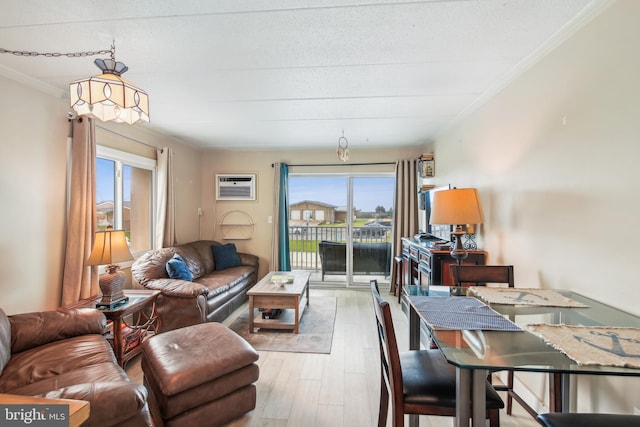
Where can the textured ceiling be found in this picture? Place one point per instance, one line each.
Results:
(283, 74)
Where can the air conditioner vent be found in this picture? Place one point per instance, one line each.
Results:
(235, 186)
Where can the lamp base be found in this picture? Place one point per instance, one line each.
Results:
(111, 284)
(470, 241)
(459, 252)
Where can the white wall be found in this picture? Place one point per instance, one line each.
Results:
(33, 129)
(32, 174)
(556, 156)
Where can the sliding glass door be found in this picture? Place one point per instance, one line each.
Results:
(340, 227)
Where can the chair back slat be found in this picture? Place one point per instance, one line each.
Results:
(389, 355)
(480, 275)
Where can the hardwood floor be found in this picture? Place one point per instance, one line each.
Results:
(337, 389)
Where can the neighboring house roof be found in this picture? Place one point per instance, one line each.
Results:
(105, 206)
(108, 206)
(312, 202)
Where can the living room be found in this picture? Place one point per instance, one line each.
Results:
(553, 154)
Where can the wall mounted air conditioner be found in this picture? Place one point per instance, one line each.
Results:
(235, 186)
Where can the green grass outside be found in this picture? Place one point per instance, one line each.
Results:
(303, 245)
(357, 223)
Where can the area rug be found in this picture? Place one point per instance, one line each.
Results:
(593, 345)
(316, 330)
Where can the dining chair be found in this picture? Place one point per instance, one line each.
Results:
(480, 275)
(397, 285)
(563, 419)
(419, 382)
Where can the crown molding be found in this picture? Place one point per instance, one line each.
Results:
(586, 15)
(33, 83)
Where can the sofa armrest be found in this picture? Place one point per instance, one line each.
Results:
(177, 288)
(30, 330)
(249, 259)
(111, 402)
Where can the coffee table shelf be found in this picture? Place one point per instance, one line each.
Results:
(292, 298)
(285, 320)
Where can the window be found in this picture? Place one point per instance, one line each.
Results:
(125, 199)
(358, 214)
(295, 214)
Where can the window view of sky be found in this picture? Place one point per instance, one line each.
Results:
(368, 192)
(105, 170)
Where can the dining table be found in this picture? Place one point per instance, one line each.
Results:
(477, 347)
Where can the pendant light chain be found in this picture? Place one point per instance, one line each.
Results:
(56, 54)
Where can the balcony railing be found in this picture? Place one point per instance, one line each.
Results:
(303, 242)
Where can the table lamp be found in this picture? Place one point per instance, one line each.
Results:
(110, 247)
(459, 206)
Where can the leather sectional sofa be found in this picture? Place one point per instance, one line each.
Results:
(211, 296)
(63, 355)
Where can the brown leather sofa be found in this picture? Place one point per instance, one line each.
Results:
(63, 355)
(210, 297)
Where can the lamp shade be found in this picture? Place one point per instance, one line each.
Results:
(457, 206)
(110, 247)
(108, 96)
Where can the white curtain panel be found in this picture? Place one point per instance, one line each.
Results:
(165, 200)
(80, 281)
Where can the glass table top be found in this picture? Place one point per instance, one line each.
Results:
(123, 305)
(500, 350)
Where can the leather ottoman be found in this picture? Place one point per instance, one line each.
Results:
(200, 375)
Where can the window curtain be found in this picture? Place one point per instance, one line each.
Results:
(165, 230)
(280, 242)
(405, 220)
(80, 281)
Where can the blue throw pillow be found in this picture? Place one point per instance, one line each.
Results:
(225, 256)
(177, 269)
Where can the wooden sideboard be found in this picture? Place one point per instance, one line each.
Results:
(424, 265)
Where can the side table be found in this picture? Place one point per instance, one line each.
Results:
(129, 323)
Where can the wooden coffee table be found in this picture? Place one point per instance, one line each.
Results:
(292, 298)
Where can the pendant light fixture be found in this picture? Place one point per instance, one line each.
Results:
(109, 97)
(343, 148)
(105, 97)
